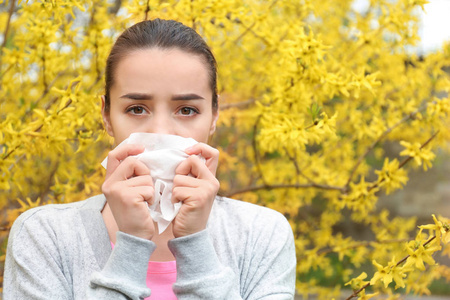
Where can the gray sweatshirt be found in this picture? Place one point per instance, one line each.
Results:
(63, 251)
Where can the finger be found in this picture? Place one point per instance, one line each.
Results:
(145, 192)
(195, 166)
(128, 168)
(143, 180)
(210, 154)
(182, 194)
(117, 155)
(187, 181)
(194, 197)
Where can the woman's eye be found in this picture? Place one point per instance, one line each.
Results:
(136, 110)
(187, 111)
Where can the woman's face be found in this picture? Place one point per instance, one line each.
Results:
(161, 91)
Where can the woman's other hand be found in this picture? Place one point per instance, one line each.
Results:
(129, 191)
(196, 186)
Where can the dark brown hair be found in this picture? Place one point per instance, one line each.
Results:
(163, 34)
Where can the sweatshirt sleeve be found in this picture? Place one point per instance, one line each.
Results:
(35, 267)
(200, 275)
(267, 271)
(125, 272)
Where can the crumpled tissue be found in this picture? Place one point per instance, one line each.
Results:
(162, 155)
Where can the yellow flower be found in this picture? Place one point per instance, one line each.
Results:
(439, 107)
(383, 273)
(389, 273)
(418, 256)
(362, 197)
(391, 177)
(418, 153)
(441, 230)
(358, 282)
(398, 275)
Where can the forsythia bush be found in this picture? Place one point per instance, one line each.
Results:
(310, 93)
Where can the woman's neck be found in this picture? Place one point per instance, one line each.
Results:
(161, 253)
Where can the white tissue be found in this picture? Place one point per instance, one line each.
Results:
(162, 155)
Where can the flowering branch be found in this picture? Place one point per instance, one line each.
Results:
(361, 244)
(249, 28)
(398, 263)
(406, 160)
(411, 116)
(284, 186)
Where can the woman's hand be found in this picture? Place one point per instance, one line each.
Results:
(129, 191)
(196, 192)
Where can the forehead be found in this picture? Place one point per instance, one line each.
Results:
(157, 67)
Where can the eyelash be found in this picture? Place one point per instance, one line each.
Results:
(193, 110)
(132, 110)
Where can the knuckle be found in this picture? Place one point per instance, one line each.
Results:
(114, 152)
(109, 187)
(111, 154)
(130, 160)
(150, 191)
(148, 178)
(216, 184)
(106, 189)
(176, 193)
(192, 158)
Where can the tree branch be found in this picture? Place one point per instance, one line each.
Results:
(398, 263)
(406, 160)
(382, 136)
(284, 186)
(255, 150)
(147, 10)
(249, 28)
(297, 167)
(362, 244)
(9, 153)
(406, 257)
(242, 104)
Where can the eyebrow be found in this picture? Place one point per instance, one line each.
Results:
(137, 96)
(187, 97)
(143, 96)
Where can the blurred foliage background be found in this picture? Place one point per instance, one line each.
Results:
(312, 94)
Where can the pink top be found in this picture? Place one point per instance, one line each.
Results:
(161, 275)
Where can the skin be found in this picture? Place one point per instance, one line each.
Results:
(159, 91)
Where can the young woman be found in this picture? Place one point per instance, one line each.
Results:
(160, 78)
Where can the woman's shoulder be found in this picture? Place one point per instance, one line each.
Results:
(242, 207)
(247, 215)
(52, 215)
